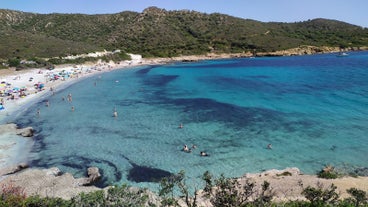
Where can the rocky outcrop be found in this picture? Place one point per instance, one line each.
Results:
(13, 169)
(25, 132)
(53, 171)
(48, 183)
(302, 50)
(13, 129)
(93, 176)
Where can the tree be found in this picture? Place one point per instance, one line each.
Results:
(176, 182)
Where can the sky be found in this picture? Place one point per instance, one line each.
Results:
(350, 11)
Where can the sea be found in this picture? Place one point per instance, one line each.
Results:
(311, 110)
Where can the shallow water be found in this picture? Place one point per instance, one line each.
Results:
(312, 109)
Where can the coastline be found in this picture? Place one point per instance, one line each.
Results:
(14, 109)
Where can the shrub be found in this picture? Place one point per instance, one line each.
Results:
(319, 196)
(358, 197)
(12, 195)
(96, 198)
(14, 62)
(124, 196)
(38, 201)
(229, 192)
(328, 172)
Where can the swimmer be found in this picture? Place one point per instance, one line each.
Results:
(47, 103)
(115, 114)
(203, 154)
(269, 146)
(186, 149)
(194, 146)
(38, 112)
(73, 108)
(181, 126)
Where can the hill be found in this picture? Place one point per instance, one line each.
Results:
(159, 33)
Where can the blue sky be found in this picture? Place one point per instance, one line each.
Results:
(351, 11)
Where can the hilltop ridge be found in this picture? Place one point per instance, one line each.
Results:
(157, 32)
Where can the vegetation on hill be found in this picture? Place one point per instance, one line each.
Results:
(218, 191)
(159, 33)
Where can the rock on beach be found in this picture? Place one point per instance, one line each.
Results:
(13, 129)
(49, 182)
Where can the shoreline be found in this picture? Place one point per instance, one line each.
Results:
(9, 148)
(22, 103)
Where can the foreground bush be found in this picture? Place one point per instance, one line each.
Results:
(221, 192)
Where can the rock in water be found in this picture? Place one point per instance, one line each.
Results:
(93, 174)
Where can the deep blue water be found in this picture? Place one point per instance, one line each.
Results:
(312, 109)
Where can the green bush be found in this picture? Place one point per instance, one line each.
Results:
(14, 62)
(328, 172)
(221, 191)
(123, 196)
(96, 198)
(320, 196)
(358, 198)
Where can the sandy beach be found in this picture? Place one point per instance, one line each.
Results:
(287, 187)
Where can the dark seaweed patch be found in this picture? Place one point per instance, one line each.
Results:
(159, 80)
(140, 173)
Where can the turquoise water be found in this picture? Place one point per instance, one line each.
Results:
(312, 109)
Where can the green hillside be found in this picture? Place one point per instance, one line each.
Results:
(160, 33)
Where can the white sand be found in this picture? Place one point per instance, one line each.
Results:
(12, 146)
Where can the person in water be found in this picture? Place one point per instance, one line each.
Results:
(203, 154)
(269, 146)
(181, 126)
(186, 149)
(115, 113)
